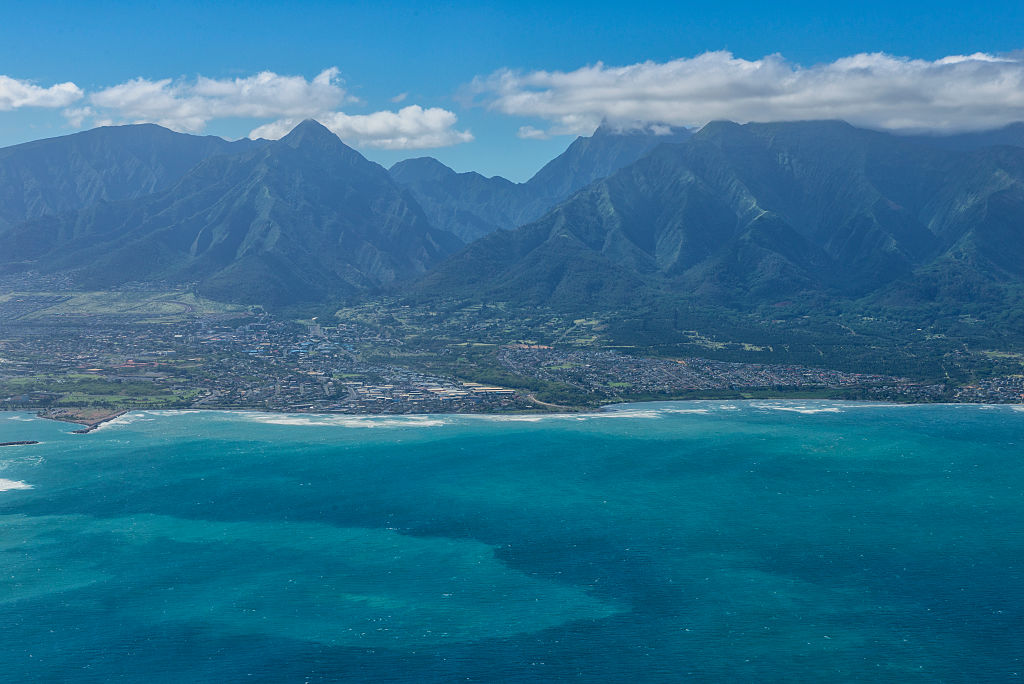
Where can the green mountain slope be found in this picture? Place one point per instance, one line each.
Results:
(300, 219)
(55, 175)
(471, 205)
(748, 215)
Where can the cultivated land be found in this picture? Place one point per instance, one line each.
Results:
(130, 305)
(85, 356)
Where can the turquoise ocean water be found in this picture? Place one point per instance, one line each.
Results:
(714, 541)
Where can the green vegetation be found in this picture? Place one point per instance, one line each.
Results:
(130, 306)
(842, 338)
(811, 244)
(78, 390)
(316, 195)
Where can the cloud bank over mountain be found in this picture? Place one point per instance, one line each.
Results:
(188, 106)
(873, 90)
(411, 127)
(876, 90)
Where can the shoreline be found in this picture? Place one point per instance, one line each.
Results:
(91, 423)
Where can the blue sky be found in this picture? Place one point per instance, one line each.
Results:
(502, 87)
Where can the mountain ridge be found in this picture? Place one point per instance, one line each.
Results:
(731, 215)
(743, 214)
(471, 205)
(300, 219)
(109, 163)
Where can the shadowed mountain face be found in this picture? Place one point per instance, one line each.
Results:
(300, 219)
(733, 215)
(472, 206)
(743, 215)
(104, 164)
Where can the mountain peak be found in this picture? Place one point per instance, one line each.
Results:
(310, 131)
(420, 169)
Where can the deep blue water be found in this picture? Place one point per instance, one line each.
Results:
(718, 541)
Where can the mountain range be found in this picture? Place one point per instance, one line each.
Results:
(742, 215)
(472, 206)
(300, 219)
(731, 215)
(104, 164)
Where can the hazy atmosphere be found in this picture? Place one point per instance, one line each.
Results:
(510, 342)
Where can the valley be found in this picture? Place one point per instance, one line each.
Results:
(806, 259)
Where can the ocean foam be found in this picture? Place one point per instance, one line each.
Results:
(153, 414)
(348, 421)
(123, 419)
(406, 421)
(881, 405)
(21, 460)
(625, 413)
(518, 417)
(547, 417)
(6, 485)
(807, 410)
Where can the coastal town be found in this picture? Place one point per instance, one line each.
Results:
(251, 359)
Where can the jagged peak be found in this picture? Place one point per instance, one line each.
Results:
(310, 131)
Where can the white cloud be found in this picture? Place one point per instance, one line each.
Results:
(532, 133)
(955, 93)
(411, 127)
(400, 97)
(15, 93)
(76, 116)
(189, 105)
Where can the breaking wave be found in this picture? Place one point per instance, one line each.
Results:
(348, 421)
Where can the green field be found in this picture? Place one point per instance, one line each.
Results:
(144, 306)
(82, 390)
